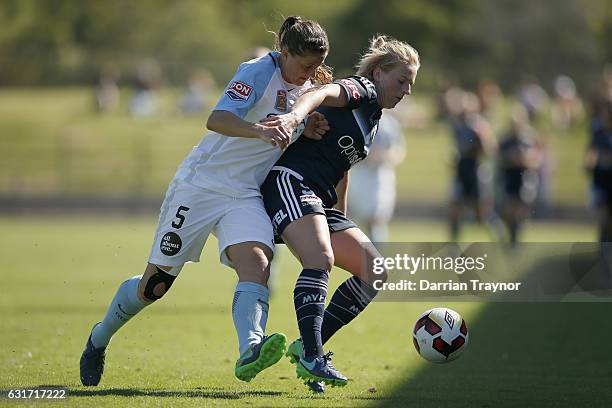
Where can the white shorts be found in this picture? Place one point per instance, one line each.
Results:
(189, 214)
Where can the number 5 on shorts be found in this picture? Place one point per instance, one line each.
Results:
(180, 217)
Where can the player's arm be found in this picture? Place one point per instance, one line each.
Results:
(341, 192)
(326, 95)
(228, 124)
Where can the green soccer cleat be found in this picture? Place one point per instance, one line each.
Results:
(294, 352)
(320, 369)
(260, 356)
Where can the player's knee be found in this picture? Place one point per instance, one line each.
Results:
(253, 268)
(320, 260)
(156, 282)
(257, 272)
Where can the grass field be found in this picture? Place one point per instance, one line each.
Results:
(60, 273)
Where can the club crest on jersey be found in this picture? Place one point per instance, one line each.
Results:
(352, 88)
(281, 100)
(239, 91)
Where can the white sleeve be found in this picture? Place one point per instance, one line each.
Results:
(246, 87)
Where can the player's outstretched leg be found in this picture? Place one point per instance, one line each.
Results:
(128, 302)
(351, 298)
(260, 356)
(308, 239)
(294, 352)
(354, 253)
(350, 248)
(251, 261)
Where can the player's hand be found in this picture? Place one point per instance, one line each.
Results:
(275, 135)
(316, 126)
(287, 122)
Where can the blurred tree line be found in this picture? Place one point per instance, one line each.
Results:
(47, 42)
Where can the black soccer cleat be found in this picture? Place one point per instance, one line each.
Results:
(92, 364)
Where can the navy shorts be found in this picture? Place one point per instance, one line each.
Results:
(287, 197)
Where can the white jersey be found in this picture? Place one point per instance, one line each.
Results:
(237, 166)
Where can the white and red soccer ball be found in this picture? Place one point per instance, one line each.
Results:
(440, 335)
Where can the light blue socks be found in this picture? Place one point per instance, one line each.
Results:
(250, 313)
(124, 306)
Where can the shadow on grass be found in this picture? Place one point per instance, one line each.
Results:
(526, 354)
(198, 392)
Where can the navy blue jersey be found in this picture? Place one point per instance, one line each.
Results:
(352, 130)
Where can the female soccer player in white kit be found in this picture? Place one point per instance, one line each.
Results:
(216, 190)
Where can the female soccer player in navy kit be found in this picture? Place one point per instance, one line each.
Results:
(216, 190)
(305, 196)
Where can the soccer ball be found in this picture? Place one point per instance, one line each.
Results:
(440, 335)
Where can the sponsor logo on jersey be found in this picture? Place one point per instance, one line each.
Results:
(170, 244)
(281, 100)
(352, 88)
(279, 217)
(310, 199)
(348, 149)
(239, 91)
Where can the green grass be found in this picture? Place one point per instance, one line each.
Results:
(60, 273)
(58, 145)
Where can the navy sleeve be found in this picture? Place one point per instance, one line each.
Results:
(359, 90)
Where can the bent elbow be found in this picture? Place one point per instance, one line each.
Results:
(212, 122)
